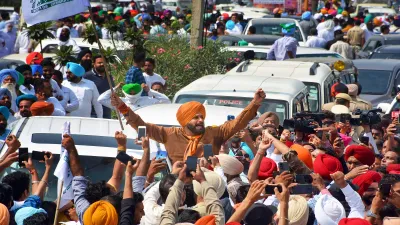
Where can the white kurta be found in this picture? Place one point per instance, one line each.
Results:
(22, 43)
(70, 102)
(87, 94)
(58, 109)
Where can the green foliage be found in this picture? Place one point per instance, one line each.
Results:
(89, 34)
(180, 64)
(135, 39)
(109, 54)
(63, 55)
(113, 27)
(40, 31)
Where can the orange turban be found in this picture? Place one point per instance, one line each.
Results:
(4, 215)
(303, 154)
(377, 22)
(324, 11)
(34, 58)
(100, 213)
(42, 108)
(188, 111)
(205, 220)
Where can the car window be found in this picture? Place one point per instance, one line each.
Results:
(374, 82)
(377, 55)
(51, 48)
(370, 47)
(275, 29)
(313, 96)
(378, 44)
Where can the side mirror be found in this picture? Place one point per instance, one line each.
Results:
(384, 106)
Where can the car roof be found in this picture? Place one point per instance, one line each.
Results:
(242, 86)
(165, 114)
(10, 63)
(253, 39)
(44, 133)
(22, 56)
(272, 21)
(376, 64)
(266, 48)
(387, 37)
(388, 49)
(289, 69)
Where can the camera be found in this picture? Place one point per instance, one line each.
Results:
(367, 117)
(303, 122)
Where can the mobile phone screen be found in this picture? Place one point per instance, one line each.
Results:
(304, 179)
(364, 140)
(125, 158)
(208, 151)
(269, 189)
(301, 189)
(23, 156)
(385, 189)
(141, 132)
(191, 163)
(283, 166)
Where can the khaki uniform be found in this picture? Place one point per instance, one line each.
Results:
(328, 106)
(355, 36)
(357, 103)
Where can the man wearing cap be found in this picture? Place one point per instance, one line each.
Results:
(286, 46)
(357, 103)
(306, 23)
(336, 89)
(188, 140)
(24, 103)
(133, 98)
(5, 100)
(42, 108)
(65, 40)
(4, 132)
(9, 79)
(85, 90)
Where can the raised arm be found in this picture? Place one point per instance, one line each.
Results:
(255, 165)
(118, 171)
(35, 177)
(74, 162)
(128, 203)
(41, 189)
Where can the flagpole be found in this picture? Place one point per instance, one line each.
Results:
(58, 202)
(105, 62)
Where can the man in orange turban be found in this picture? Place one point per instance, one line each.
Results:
(42, 109)
(100, 213)
(188, 139)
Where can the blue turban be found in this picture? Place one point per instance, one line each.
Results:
(146, 16)
(5, 112)
(306, 15)
(4, 91)
(26, 97)
(8, 72)
(37, 68)
(230, 25)
(26, 212)
(288, 29)
(76, 69)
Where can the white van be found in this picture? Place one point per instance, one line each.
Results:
(284, 96)
(318, 77)
(176, 5)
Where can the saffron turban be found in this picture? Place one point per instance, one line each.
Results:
(205, 220)
(303, 154)
(188, 111)
(42, 109)
(361, 153)
(325, 165)
(4, 215)
(100, 213)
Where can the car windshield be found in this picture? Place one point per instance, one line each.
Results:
(268, 105)
(313, 96)
(374, 82)
(385, 56)
(275, 29)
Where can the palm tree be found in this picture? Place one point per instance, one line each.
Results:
(39, 32)
(64, 55)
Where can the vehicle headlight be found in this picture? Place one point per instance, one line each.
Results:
(339, 66)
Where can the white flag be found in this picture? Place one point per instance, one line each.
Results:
(63, 172)
(37, 11)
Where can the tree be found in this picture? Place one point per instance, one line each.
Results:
(64, 55)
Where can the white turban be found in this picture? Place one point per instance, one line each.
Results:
(298, 210)
(214, 180)
(329, 211)
(317, 16)
(230, 165)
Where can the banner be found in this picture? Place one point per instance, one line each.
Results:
(37, 11)
(63, 172)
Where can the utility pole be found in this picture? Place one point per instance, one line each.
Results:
(196, 32)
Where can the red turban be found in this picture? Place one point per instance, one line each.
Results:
(353, 221)
(267, 168)
(42, 109)
(34, 58)
(333, 89)
(393, 169)
(303, 154)
(361, 153)
(365, 180)
(206, 220)
(325, 165)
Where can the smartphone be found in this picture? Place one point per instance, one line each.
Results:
(161, 154)
(230, 117)
(39, 156)
(319, 134)
(301, 189)
(125, 158)
(23, 156)
(141, 132)
(208, 151)
(364, 140)
(275, 173)
(398, 125)
(269, 189)
(283, 166)
(385, 189)
(304, 179)
(191, 163)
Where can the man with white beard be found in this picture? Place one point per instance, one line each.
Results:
(9, 79)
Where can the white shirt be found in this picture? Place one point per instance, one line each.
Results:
(22, 43)
(24, 90)
(56, 89)
(342, 48)
(367, 33)
(239, 27)
(75, 48)
(152, 210)
(153, 98)
(153, 78)
(315, 42)
(357, 207)
(87, 94)
(327, 35)
(58, 109)
(236, 30)
(70, 102)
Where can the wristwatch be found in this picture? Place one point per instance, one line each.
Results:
(371, 214)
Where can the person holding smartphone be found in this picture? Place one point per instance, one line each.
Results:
(188, 139)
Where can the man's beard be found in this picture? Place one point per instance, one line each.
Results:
(25, 113)
(195, 130)
(11, 88)
(87, 65)
(64, 38)
(100, 69)
(367, 200)
(73, 79)
(3, 127)
(28, 81)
